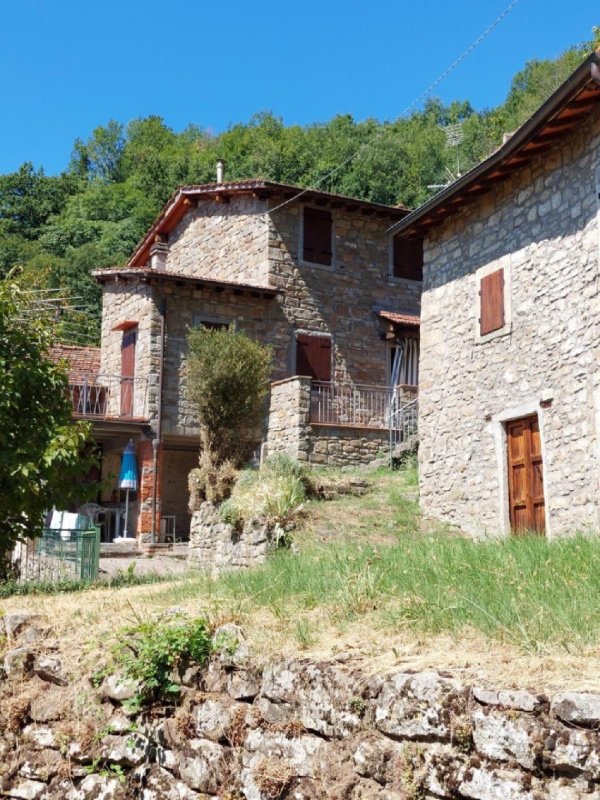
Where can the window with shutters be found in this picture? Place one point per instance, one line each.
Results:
(317, 236)
(493, 318)
(407, 259)
(313, 356)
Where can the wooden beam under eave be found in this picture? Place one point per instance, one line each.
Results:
(221, 197)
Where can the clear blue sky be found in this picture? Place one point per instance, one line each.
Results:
(67, 66)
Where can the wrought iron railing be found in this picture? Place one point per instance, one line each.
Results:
(102, 396)
(359, 405)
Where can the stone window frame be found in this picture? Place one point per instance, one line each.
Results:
(503, 263)
(308, 332)
(394, 279)
(302, 261)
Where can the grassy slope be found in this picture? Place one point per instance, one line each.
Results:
(367, 576)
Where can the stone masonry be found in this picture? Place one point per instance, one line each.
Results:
(289, 728)
(291, 431)
(543, 227)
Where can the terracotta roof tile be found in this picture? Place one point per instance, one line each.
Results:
(84, 362)
(401, 319)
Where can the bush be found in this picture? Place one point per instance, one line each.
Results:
(276, 493)
(228, 379)
(152, 652)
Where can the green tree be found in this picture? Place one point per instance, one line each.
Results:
(40, 448)
(227, 381)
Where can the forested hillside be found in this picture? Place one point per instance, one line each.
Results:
(56, 229)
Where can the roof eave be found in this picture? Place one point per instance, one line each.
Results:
(589, 70)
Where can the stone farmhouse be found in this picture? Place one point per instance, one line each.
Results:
(314, 275)
(510, 328)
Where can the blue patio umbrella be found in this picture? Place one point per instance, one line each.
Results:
(128, 477)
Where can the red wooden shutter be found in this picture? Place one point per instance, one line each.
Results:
(316, 241)
(313, 356)
(491, 292)
(127, 371)
(407, 258)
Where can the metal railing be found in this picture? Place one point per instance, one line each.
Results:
(101, 396)
(60, 554)
(358, 405)
(403, 421)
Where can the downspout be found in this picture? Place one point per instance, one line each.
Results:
(162, 310)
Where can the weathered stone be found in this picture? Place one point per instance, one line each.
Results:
(161, 785)
(502, 738)
(129, 751)
(205, 767)
(580, 708)
(417, 706)
(519, 700)
(494, 784)
(15, 622)
(18, 663)
(301, 753)
(41, 736)
(243, 684)
(41, 766)
(317, 695)
(26, 790)
(49, 668)
(94, 787)
(212, 718)
(231, 645)
(118, 687)
(48, 706)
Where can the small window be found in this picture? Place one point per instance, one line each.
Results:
(212, 324)
(407, 258)
(316, 236)
(313, 356)
(491, 302)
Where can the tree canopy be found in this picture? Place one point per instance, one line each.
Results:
(40, 448)
(59, 228)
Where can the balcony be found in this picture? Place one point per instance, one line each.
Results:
(109, 397)
(359, 405)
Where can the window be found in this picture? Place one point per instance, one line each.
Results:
(213, 324)
(407, 258)
(491, 302)
(313, 356)
(317, 229)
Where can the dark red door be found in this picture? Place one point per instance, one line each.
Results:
(525, 476)
(127, 372)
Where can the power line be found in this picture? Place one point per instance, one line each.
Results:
(423, 94)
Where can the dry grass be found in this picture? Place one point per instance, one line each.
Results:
(367, 607)
(86, 625)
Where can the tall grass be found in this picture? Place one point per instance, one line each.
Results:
(525, 590)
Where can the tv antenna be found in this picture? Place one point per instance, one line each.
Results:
(454, 136)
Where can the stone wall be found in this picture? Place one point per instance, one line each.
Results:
(216, 546)
(290, 431)
(223, 241)
(542, 226)
(186, 307)
(132, 302)
(292, 729)
(339, 299)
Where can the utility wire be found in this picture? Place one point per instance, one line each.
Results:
(383, 130)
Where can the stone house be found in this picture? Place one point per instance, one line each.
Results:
(509, 397)
(314, 275)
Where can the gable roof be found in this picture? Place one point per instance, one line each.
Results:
(185, 197)
(555, 119)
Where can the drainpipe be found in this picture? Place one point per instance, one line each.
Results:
(157, 439)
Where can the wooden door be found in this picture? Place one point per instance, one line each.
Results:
(525, 476)
(127, 372)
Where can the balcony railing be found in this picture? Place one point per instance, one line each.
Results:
(109, 396)
(359, 405)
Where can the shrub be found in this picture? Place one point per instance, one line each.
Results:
(276, 493)
(153, 651)
(228, 376)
